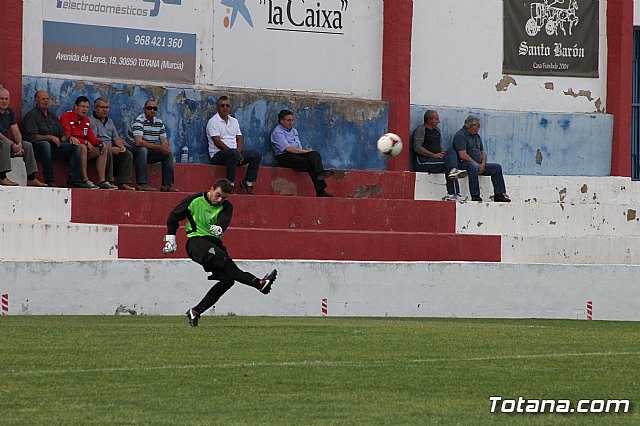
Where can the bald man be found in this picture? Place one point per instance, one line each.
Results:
(50, 142)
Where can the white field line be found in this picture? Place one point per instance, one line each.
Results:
(315, 363)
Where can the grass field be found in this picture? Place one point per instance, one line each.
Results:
(309, 371)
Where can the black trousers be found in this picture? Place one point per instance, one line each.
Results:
(214, 258)
(309, 162)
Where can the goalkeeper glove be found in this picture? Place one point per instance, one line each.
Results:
(216, 230)
(170, 245)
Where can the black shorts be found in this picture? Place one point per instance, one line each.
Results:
(208, 252)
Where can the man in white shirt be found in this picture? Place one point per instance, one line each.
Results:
(226, 146)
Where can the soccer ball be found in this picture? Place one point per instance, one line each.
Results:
(390, 145)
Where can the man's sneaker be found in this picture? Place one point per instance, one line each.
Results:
(265, 284)
(476, 198)
(87, 184)
(455, 197)
(457, 174)
(193, 316)
(106, 185)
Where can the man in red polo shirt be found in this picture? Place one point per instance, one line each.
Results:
(77, 126)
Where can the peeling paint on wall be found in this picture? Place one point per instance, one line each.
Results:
(598, 104)
(284, 186)
(368, 191)
(631, 215)
(581, 93)
(563, 194)
(548, 85)
(504, 84)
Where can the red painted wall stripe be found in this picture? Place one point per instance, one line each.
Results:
(11, 42)
(620, 81)
(396, 73)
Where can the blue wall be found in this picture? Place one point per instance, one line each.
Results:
(568, 144)
(344, 130)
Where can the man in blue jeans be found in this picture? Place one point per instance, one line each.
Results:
(472, 158)
(429, 156)
(147, 140)
(226, 146)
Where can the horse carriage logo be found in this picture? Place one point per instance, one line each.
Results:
(552, 14)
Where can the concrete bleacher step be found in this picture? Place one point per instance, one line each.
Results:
(278, 181)
(22, 204)
(542, 189)
(585, 249)
(560, 219)
(57, 241)
(259, 211)
(145, 242)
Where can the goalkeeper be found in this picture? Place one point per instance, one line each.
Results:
(208, 215)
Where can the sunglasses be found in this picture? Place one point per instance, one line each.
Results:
(149, 108)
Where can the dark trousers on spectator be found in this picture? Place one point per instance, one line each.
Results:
(309, 162)
(142, 156)
(491, 169)
(46, 152)
(119, 167)
(439, 165)
(230, 158)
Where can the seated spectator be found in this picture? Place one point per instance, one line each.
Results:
(226, 146)
(430, 158)
(50, 142)
(289, 153)
(472, 158)
(77, 126)
(147, 140)
(118, 157)
(12, 145)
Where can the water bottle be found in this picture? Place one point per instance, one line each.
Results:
(184, 155)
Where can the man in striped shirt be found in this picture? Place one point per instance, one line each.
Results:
(147, 140)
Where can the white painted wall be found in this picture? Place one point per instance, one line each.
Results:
(44, 205)
(636, 13)
(57, 241)
(456, 61)
(420, 289)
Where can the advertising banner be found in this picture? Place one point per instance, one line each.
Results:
(87, 38)
(291, 44)
(551, 37)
